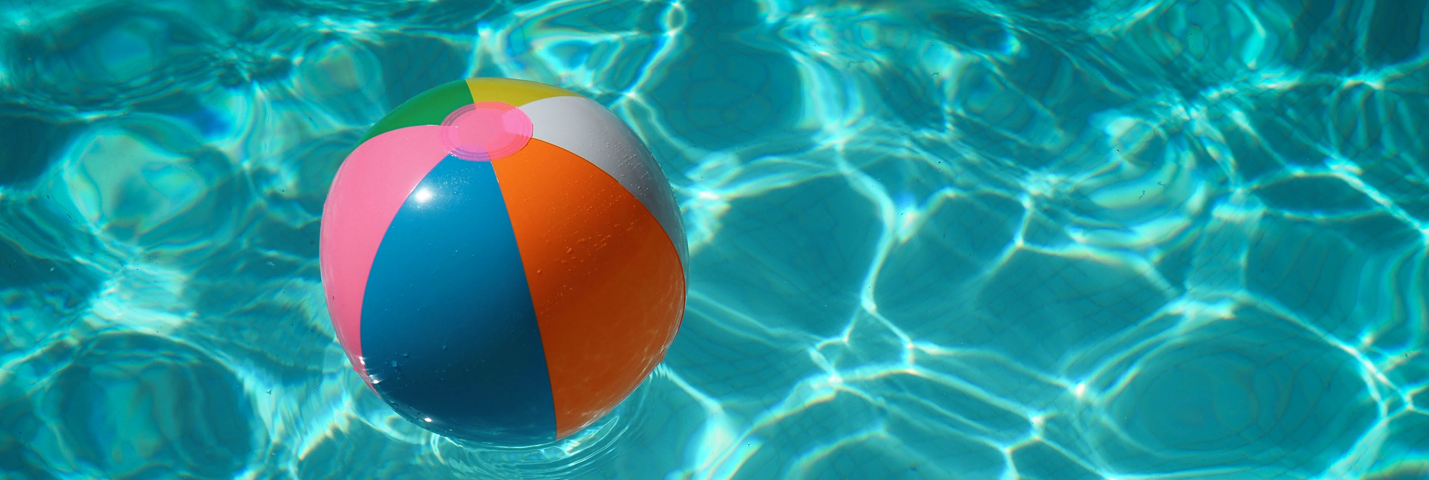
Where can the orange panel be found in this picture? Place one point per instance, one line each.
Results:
(607, 284)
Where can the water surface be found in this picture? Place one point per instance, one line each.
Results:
(1088, 239)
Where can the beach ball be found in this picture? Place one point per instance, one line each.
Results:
(503, 261)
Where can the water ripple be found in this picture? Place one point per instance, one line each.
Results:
(1125, 239)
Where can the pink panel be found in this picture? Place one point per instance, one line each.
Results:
(369, 188)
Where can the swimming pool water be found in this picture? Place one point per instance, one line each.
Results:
(1081, 239)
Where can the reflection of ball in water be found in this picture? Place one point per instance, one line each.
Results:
(503, 261)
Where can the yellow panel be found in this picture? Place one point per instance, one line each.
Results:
(512, 92)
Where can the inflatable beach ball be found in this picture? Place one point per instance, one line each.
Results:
(503, 261)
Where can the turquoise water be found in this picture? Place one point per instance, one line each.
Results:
(1080, 239)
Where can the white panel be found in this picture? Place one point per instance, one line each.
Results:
(589, 130)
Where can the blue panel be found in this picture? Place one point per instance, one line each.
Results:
(448, 328)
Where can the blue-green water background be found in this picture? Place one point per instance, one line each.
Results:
(1057, 239)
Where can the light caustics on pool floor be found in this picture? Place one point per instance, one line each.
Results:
(1052, 240)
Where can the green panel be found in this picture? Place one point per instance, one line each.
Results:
(427, 108)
